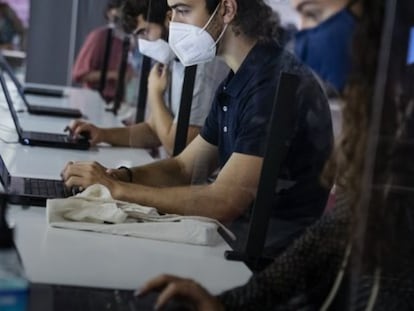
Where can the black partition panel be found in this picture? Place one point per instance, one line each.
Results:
(185, 109)
(120, 85)
(143, 89)
(106, 57)
(280, 132)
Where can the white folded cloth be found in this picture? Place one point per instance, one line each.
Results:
(95, 210)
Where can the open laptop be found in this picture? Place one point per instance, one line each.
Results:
(49, 297)
(38, 109)
(31, 191)
(36, 90)
(31, 138)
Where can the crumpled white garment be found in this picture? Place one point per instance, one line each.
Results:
(95, 210)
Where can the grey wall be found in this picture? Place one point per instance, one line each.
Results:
(56, 32)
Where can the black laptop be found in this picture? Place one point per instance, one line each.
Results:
(42, 91)
(31, 191)
(39, 109)
(42, 139)
(48, 297)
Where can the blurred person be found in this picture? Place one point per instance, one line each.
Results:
(165, 84)
(325, 37)
(89, 62)
(11, 28)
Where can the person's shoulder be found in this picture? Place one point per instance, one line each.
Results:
(98, 33)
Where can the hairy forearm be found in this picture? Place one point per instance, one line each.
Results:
(162, 122)
(206, 200)
(136, 136)
(164, 173)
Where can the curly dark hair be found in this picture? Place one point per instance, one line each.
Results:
(254, 18)
(153, 11)
(114, 4)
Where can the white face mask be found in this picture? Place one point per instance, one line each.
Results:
(159, 50)
(193, 45)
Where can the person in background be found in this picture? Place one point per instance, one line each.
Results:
(165, 84)
(233, 138)
(11, 28)
(324, 39)
(89, 62)
(314, 273)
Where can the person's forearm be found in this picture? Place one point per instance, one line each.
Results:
(164, 173)
(95, 76)
(162, 122)
(206, 200)
(136, 136)
(92, 77)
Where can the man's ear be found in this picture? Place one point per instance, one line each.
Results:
(228, 10)
(168, 18)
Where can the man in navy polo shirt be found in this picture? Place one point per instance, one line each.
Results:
(234, 135)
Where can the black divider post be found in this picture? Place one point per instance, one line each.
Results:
(120, 85)
(105, 64)
(282, 125)
(143, 89)
(185, 109)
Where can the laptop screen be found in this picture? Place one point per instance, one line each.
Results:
(4, 173)
(5, 65)
(410, 57)
(10, 104)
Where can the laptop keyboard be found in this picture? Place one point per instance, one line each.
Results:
(50, 137)
(72, 298)
(44, 187)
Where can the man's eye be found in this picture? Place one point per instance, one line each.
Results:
(311, 15)
(182, 11)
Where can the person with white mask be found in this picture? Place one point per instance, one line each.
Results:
(234, 136)
(148, 21)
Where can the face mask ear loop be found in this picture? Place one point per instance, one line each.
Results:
(211, 18)
(221, 36)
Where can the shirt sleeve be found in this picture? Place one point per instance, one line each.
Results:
(310, 264)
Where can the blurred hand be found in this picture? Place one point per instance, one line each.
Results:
(95, 133)
(112, 75)
(171, 286)
(84, 174)
(158, 80)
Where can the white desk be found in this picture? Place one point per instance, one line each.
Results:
(68, 257)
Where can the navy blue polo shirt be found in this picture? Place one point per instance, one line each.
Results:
(239, 121)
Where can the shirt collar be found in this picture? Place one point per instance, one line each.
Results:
(255, 59)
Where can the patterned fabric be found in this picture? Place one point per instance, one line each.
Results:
(303, 276)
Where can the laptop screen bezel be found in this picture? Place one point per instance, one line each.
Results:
(10, 104)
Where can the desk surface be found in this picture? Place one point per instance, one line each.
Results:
(59, 256)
